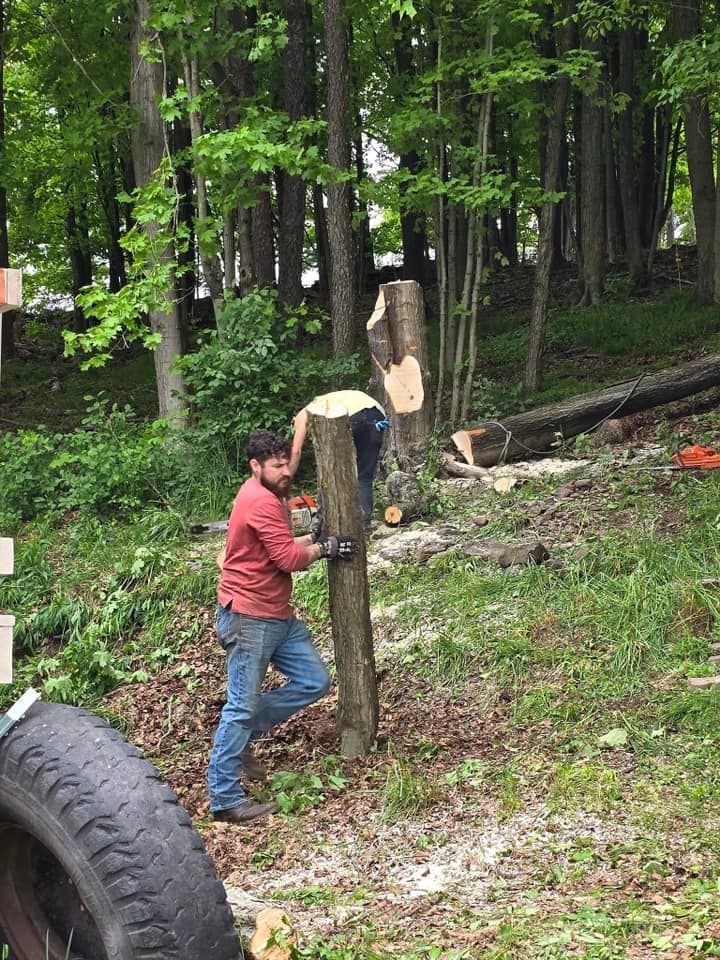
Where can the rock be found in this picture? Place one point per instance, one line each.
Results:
(481, 521)
(420, 544)
(507, 555)
(611, 431)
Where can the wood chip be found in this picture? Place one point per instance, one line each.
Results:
(702, 683)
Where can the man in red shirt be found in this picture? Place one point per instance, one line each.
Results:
(256, 624)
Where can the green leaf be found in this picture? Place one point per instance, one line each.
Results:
(617, 737)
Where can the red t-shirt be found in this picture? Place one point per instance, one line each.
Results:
(260, 555)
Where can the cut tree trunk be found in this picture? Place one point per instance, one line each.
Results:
(396, 334)
(543, 429)
(406, 499)
(349, 594)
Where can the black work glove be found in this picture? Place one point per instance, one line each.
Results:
(334, 548)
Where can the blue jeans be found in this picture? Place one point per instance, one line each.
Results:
(368, 441)
(251, 644)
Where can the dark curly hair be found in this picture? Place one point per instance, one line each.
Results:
(264, 444)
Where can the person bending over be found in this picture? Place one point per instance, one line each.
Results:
(368, 422)
(256, 625)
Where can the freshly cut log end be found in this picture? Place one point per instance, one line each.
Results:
(404, 385)
(463, 441)
(325, 408)
(393, 516)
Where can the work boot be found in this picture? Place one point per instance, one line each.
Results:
(246, 811)
(252, 768)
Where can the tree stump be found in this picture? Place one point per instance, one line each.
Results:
(349, 594)
(401, 370)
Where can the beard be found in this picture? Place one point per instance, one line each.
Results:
(280, 489)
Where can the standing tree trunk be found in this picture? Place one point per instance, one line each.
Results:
(398, 347)
(292, 195)
(592, 234)
(212, 269)
(342, 288)
(148, 147)
(78, 236)
(413, 233)
(627, 165)
(698, 141)
(349, 594)
(552, 142)
(7, 319)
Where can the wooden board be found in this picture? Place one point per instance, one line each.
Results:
(6, 635)
(7, 558)
(10, 289)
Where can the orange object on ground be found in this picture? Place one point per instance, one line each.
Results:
(697, 458)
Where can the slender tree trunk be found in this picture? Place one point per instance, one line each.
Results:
(212, 270)
(440, 247)
(627, 164)
(411, 224)
(342, 288)
(665, 186)
(322, 244)
(365, 257)
(615, 237)
(698, 141)
(7, 333)
(148, 148)
(292, 207)
(186, 278)
(554, 139)
(592, 241)
(78, 235)
(262, 246)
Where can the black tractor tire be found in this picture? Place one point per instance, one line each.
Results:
(97, 859)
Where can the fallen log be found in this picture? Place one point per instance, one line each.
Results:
(455, 468)
(545, 428)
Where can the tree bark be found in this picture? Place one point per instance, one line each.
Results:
(592, 242)
(396, 334)
(78, 236)
(148, 147)
(7, 319)
(349, 593)
(411, 223)
(292, 206)
(548, 216)
(698, 141)
(626, 159)
(342, 288)
(538, 431)
(211, 266)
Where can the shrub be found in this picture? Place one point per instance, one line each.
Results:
(110, 464)
(250, 374)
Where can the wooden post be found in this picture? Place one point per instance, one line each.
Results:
(6, 621)
(349, 594)
(10, 295)
(396, 334)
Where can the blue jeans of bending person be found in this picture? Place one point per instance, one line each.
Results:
(251, 644)
(368, 441)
